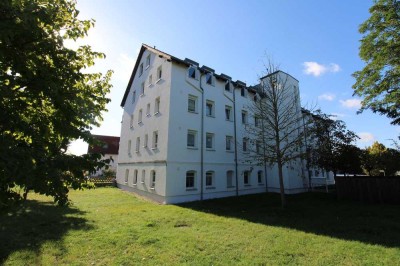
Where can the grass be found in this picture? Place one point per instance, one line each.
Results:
(107, 226)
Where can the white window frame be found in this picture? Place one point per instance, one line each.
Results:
(152, 179)
(212, 109)
(210, 79)
(211, 135)
(209, 176)
(137, 145)
(140, 69)
(194, 134)
(228, 85)
(229, 179)
(193, 73)
(148, 110)
(245, 145)
(131, 121)
(228, 139)
(228, 108)
(129, 146)
(244, 117)
(192, 175)
(143, 176)
(126, 176)
(145, 141)
(159, 74)
(142, 89)
(246, 173)
(140, 116)
(135, 177)
(157, 103)
(194, 100)
(155, 140)
(148, 61)
(150, 80)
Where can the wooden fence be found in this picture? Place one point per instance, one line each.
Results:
(102, 181)
(374, 189)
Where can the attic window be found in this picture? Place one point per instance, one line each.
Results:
(148, 61)
(209, 79)
(228, 86)
(192, 72)
(243, 92)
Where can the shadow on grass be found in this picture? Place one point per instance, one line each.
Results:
(32, 224)
(316, 213)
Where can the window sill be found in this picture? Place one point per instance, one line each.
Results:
(152, 188)
(154, 148)
(158, 80)
(191, 189)
(192, 148)
(142, 182)
(137, 151)
(147, 67)
(134, 185)
(230, 187)
(145, 147)
(210, 187)
(131, 127)
(228, 120)
(212, 116)
(229, 151)
(142, 95)
(140, 122)
(192, 112)
(148, 115)
(156, 113)
(210, 149)
(247, 185)
(261, 184)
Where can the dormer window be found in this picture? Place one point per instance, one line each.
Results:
(209, 78)
(228, 86)
(243, 92)
(192, 72)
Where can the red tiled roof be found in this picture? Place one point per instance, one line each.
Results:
(110, 145)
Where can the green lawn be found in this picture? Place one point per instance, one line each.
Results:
(109, 226)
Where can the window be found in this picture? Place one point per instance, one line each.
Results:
(140, 69)
(192, 72)
(140, 116)
(243, 92)
(191, 139)
(256, 121)
(133, 96)
(210, 108)
(245, 144)
(244, 117)
(129, 146)
(135, 176)
(153, 179)
(228, 86)
(126, 176)
(131, 122)
(255, 98)
(159, 73)
(143, 176)
(148, 110)
(258, 147)
(157, 106)
(147, 61)
(260, 177)
(150, 80)
(246, 177)
(192, 102)
(146, 140)
(229, 179)
(190, 176)
(155, 140)
(229, 143)
(142, 89)
(209, 140)
(137, 144)
(228, 113)
(209, 79)
(209, 178)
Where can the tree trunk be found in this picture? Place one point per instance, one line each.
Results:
(25, 195)
(282, 188)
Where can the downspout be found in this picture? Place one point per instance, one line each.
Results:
(202, 140)
(265, 163)
(234, 133)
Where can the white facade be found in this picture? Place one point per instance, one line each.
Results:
(182, 131)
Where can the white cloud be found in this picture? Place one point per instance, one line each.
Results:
(366, 137)
(336, 116)
(316, 69)
(351, 103)
(327, 97)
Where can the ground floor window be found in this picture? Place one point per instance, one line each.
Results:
(190, 177)
(209, 178)
(246, 177)
(229, 179)
(153, 179)
(260, 177)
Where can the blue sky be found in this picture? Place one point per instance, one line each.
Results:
(315, 41)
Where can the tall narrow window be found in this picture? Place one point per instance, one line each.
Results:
(245, 144)
(140, 69)
(210, 108)
(153, 179)
(228, 141)
(148, 110)
(209, 178)
(209, 78)
(129, 146)
(260, 177)
(137, 144)
(190, 178)
(246, 177)
(228, 86)
(155, 139)
(148, 61)
(140, 116)
(131, 121)
(159, 73)
(133, 96)
(243, 92)
(244, 117)
(135, 177)
(191, 139)
(256, 121)
(126, 176)
(192, 102)
(192, 72)
(229, 179)
(258, 147)
(228, 113)
(143, 176)
(150, 80)
(145, 141)
(209, 141)
(157, 105)
(142, 89)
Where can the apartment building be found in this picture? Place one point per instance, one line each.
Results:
(183, 138)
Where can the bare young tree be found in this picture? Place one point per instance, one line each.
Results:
(278, 132)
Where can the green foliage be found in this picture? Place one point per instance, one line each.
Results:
(331, 145)
(378, 82)
(378, 158)
(107, 226)
(46, 100)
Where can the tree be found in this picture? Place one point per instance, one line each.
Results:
(278, 135)
(46, 100)
(378, 82)
(331, 145)
(378, 160)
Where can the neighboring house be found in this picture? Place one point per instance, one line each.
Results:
(182, 132)
(109, 148)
